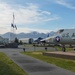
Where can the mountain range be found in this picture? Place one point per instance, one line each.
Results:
(33, 34)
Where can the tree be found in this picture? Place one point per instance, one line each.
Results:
(16, 40)
(20, 42)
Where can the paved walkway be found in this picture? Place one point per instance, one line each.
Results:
(34, 66)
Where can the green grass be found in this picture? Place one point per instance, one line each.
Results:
(63, 63)
(67, 49)
(8, 67)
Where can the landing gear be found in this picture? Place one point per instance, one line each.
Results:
(63, 48)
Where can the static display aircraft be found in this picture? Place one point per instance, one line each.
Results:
(63, 37)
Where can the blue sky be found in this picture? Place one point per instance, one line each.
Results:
(37, 15)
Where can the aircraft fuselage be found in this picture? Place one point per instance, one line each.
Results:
(64, 36)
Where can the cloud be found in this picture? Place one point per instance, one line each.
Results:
(24, 15)
(5, 11)
(25, 30)
(32, 14)
(4, 29)
(65, 3)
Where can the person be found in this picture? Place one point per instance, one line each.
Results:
(24, 49)
(46, 48)
(64, 50)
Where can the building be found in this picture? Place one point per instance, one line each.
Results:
(27, 40)
(24, 40)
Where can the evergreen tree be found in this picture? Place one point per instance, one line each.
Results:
(16, 40)
(20, 42)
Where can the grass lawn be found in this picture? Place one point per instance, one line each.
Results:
(63, 63)
(8, 67)
(67, 49)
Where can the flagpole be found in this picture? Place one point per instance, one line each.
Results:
(13, 18)
(13, 29)
(12, 36)
(10, 33)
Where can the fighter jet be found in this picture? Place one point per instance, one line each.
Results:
(63, 37)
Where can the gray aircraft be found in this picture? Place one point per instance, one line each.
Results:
(63, 37)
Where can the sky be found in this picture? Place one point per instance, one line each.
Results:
(37, 15)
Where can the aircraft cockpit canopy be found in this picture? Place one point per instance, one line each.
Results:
(60, 31)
